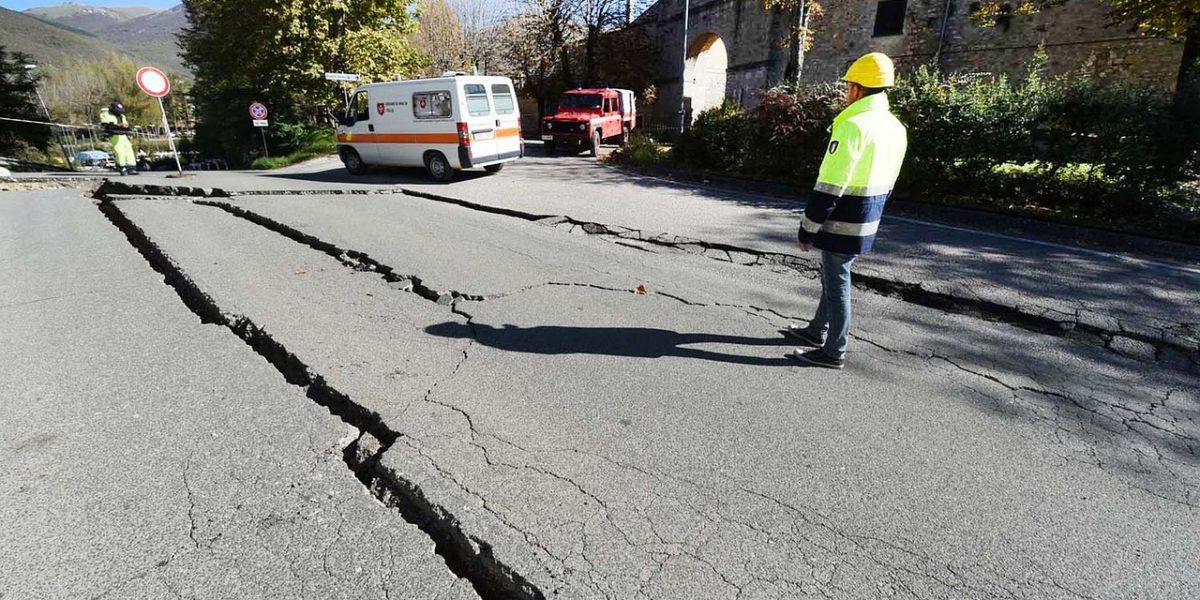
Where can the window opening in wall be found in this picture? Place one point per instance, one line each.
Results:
(889, 18)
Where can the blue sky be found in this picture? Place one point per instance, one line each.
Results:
(26, 4)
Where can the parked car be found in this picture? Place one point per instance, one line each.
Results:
(97, 159)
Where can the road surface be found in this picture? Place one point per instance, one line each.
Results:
(297, 387)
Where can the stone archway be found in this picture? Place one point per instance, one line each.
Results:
(704, 73)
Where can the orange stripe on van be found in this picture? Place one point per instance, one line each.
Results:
(508, 132)
(398, 138)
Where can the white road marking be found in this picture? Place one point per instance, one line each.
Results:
(1098, 253)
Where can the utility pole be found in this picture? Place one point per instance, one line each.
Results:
(687, 5)
(58, 130)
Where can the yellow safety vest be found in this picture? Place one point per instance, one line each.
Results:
(862, 162)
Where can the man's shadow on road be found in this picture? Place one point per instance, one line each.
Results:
(635, 342)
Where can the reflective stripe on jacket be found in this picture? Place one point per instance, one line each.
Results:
(861, 165)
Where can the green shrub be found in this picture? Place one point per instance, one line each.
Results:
(1087, 147)
(1073, 146)
(788, 132)
(783, 137)
(717, 140)
(642, 148)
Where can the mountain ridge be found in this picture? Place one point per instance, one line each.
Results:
(143, 33)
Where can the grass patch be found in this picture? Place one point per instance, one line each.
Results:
(316, 144)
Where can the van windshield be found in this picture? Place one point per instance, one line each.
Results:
(591, 101)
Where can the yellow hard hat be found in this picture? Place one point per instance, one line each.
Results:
(874, 70)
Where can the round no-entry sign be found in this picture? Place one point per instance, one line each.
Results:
(258, 111)
(153, 82)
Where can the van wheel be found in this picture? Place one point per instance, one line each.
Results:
(494, 168)
(596, 143)
(438, 167)
(353, 161)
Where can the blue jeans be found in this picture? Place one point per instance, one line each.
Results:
(832, 319)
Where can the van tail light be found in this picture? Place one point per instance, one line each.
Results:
(520, 130)
(464, 136)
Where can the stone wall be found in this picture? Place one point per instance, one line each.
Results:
(1077, 37)
(744, 27)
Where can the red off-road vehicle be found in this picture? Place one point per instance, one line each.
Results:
(589, 117)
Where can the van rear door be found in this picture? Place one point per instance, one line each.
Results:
(508, 121)
(481, 123)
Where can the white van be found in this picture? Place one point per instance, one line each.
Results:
(443, 124)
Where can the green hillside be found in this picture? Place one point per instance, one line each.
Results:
(50, 44)
(142, 32)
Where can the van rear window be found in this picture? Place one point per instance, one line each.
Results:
(503, 95)
(432, 105)
(477, 100)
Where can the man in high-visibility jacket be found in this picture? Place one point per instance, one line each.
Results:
(117, 128)
(861, 165)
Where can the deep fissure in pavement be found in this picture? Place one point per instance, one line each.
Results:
(383, 269)
(467, 557)
(912, 293)
(354, 259)
(363, 455)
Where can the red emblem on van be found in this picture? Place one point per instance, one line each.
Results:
(379, 108)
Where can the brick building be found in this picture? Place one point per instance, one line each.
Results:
(742, 48)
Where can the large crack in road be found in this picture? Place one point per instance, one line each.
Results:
(468, 557)
(1093, 407)
(1170, 346)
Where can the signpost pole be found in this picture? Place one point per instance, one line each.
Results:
(258, 118)
(155, 83)
(170, 137)
(343, 79)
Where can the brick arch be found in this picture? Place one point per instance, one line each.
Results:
(706, 72)
(752, 39)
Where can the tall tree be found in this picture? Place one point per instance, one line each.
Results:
(18, 87)
(799, 36)
(537, 49)
(275, 51)
(77, 90)
(596, 17)
(440, 37)
(1175, 19)
(480, 21)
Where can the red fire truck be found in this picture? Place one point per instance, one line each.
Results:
(589, 117)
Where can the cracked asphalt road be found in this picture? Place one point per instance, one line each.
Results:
(597, 416)
(1142, 306)
(145, 455)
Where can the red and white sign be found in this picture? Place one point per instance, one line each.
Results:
(153, 82)
(258, 111)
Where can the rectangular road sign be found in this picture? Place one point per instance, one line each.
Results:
(341, 76)
(259, 122)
